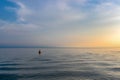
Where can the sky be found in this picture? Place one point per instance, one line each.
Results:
(60, 23)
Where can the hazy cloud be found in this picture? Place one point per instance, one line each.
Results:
(47, 22)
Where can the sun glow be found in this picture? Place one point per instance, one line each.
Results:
(115, 36)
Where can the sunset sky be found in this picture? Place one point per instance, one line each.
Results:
(60, 23)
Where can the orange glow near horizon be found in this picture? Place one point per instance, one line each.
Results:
(89, 44)
(109, 39)
(114, 38)
(93, 44)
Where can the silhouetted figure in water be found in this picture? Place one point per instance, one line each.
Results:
(39, 52)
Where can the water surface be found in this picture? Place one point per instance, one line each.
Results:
(60, 64)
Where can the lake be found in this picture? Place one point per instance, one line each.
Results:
(60, 64)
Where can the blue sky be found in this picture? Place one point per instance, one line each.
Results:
(61, 23)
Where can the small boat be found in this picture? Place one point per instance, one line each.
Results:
(39, 51)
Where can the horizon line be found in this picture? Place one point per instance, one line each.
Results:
(50, 47)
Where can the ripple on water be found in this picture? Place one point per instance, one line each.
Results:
(9, 64)
(59, 75)
(115, 69)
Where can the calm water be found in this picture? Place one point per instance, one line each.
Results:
(59, 64)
